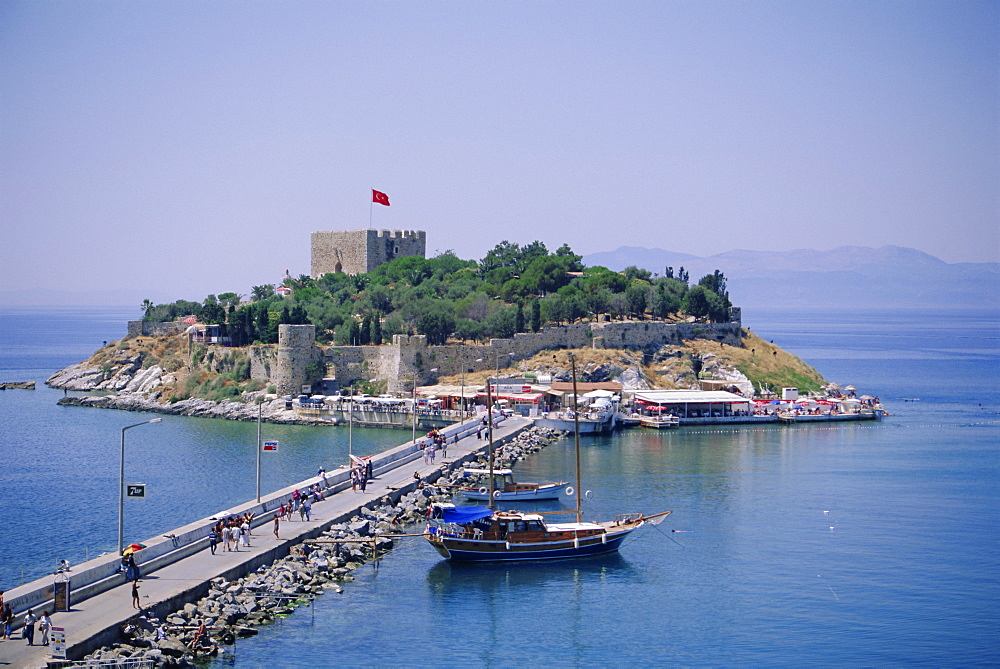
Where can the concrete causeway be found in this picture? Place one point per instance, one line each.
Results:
(179, 567)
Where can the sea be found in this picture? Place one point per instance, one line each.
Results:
(866, 544)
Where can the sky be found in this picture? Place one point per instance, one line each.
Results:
(190, 148)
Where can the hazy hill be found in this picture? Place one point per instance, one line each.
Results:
(844, 277)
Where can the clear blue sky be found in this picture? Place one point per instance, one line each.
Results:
(191, 147)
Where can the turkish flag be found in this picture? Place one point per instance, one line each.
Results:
(379, 197)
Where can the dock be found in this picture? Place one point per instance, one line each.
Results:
(178, 567)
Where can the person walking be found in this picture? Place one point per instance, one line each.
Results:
(307, 506)
(245, 533)
(135, 594)
(213, 540)
(235, 529)
(29, 628)
(363, 480)
(277, 520)
(8, 621)
(44, 625)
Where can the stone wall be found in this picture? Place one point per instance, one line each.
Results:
(410, 356)
(154, 329)
(263, 359)
(361, 251)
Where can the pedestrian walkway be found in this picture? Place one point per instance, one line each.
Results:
(97, 621)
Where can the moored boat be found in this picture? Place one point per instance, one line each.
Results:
(506, 489)
(482, 534)
(660, 422)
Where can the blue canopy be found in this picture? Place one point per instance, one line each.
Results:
(465, 514)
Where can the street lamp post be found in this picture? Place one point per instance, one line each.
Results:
(260, 410)
(121, 485)
(463, 389)
(413, 407)
(509, 355)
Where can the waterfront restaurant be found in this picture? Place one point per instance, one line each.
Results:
(692, 403)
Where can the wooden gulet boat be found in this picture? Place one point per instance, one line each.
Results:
(506, 489)
(482, 534)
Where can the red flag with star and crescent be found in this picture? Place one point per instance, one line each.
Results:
(379, 197)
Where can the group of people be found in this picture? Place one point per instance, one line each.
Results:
(360, 476)
(436, 441)
(30, 620)
(231, 532)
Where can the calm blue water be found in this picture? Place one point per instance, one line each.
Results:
(866, 544)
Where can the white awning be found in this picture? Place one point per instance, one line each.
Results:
(690, 397)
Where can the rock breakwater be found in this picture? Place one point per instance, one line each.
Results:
(235, 609)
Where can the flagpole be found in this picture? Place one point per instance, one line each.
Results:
(371, 205)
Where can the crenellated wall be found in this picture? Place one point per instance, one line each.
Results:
(361, 251)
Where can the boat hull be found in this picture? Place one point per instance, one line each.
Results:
(471, 550)
(548, 492)
(587, 426)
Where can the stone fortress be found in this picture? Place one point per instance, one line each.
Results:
(408, 359)
(361, 251)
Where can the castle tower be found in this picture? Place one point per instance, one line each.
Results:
(296, 351)
(361, 251)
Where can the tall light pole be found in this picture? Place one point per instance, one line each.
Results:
(509, 355)
(260, 409)
(121, 485)
(413, 406)
(350, 429)
(463, 381)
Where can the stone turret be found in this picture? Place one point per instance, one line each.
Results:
(296, 351)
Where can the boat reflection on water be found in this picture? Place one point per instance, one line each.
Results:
(450, 578)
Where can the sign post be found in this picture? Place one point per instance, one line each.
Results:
(58, 636)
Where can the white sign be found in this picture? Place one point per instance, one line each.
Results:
(511, 388)
(58, 637)
(270, 446)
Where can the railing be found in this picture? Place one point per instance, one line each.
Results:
(123, 662)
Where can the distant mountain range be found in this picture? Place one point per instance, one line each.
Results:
(848, 277)
(845, 277)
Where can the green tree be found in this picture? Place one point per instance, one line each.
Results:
(536, 316)
(598, 301)
(347, 334)
(637, 295)
(262, 292)
(147, 308)
(501, 323)
(436, 326)
(696, 302)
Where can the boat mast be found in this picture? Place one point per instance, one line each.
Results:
(489, 434)
(576, 440)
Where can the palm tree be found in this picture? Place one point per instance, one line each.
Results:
(147, 307)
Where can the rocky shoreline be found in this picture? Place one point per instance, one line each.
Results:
(271, 411)
(17, 385)
(235, 609)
